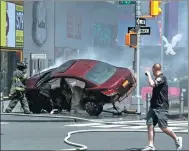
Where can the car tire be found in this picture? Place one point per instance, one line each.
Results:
(93, 108)
(35, 106)
(47, 106)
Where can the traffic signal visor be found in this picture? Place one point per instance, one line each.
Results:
(131, 39)
(155, 9)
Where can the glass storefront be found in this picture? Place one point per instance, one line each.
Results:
(9, 59)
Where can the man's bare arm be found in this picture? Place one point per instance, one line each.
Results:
(151, 81)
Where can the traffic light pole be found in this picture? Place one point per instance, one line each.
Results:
(136, 62)
(162, 33)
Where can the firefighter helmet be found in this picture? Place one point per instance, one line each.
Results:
(21, 65)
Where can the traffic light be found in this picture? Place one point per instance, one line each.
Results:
(155, 9)
(131, 39)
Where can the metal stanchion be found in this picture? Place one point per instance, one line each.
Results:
(181, 109)
(2, 103)
(148, 96)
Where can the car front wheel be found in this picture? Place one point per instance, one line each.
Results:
(35, 106)
(93, 108)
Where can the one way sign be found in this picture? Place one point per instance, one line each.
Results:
(141, 21)
(143, 30)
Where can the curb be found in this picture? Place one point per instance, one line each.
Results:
(61, 118)
(48, 118)
(81, 118)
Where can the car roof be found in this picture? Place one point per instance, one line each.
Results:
(79, 68)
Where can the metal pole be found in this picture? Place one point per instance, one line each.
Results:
(137, 56)
(162, 33)
(146, 103)
(0, 84)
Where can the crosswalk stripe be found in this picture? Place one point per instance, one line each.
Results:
(82, 125)
(122, 124)
(177, 126)
(4, 122)
(107, 126)
(134, 127)
(143, 122)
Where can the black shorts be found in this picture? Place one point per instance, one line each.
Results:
(159, 116)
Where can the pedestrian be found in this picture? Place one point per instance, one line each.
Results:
(159, 108)
(17, 92)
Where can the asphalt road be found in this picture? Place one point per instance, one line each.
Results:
(27, 135)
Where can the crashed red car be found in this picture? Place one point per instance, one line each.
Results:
(103, 83)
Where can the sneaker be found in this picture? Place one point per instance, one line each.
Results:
(178, 143)
(54, 111)
(149, 148)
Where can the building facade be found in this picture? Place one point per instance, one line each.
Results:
(11, 41)
(65, 30)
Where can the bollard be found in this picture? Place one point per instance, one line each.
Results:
(2, 102)
(147, 102)
(181, 109)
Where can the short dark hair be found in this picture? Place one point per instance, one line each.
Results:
(157, 66)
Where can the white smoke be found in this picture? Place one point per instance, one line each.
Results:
(120, 58)
(57, 63)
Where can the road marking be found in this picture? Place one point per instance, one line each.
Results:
(107, 126)
(134, 123)
(177, 126)
(4, 122)
(83, 125)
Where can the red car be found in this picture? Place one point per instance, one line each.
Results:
(103, 83)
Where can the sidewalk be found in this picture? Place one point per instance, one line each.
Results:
(174, 112)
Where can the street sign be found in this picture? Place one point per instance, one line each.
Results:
(141, 21)
(38, 56)
(125, 2)
(143, 30)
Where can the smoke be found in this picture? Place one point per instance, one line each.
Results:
(116, 57)
(180, 60)
(57, 63)
(183, 22)
(123, 57)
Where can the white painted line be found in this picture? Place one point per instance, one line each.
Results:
(135, 127)
(82, 125)
(173, 128)
(180, 125)
(4, 122)
(182, 131)
(144, 122)
(107, 126)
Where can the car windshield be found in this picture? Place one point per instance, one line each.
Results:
(44, 77)
(100, 73)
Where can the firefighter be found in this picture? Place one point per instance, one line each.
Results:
(17, 92)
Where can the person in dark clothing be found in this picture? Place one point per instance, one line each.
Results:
(17, 92)
(159, 108)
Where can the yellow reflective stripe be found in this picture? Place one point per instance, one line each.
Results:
(18, 88)
(16, 79)
(25, 76)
